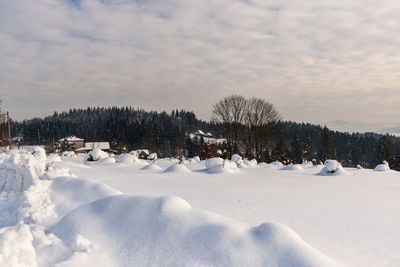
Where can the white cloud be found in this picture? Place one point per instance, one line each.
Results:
(316, 60)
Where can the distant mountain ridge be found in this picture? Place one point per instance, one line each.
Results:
(363, 127)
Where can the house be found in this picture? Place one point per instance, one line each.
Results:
(71, 143)
(92, 145)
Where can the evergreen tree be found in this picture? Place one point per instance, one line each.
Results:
(384, 149)
(296, 151)
(326, 147)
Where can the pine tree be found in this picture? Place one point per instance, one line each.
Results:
(326, 147)
(384, 149)
(296, 151)
(307, 149)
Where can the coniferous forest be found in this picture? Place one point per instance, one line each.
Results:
(167, 134)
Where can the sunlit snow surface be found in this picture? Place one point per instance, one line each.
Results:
(132, 213)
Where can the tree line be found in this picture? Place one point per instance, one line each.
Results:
(252, 128)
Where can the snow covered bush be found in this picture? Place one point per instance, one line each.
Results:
(250, 163)
(219, 165)
(134, 153)
(95, 155)
(238, 160)
(152, 156)
(332, 168)
(382, 167)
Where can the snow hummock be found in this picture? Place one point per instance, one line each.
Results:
(151, 167)
(219, 165)
(213, 162)
(95, 155)
(177, 168)
(276, 164)
(382, 167)
(293, 167)
(167, 231)
(126, 158)
(332, 168)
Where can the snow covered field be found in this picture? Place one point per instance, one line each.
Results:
(128, 212)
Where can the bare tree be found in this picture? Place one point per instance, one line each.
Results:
(231, 112)
(261, 117)
(3, 125)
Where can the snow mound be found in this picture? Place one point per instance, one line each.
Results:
(19, 169)
(68, 154)
(382, 167)
(307, 164)
(108, 160)
(95, 155)
(276, 164)
(213, 162)
(332, 168)
(151, 167)
(126, 158)
(177, 168)
(168, 232)
(218, 165)
(293, 167)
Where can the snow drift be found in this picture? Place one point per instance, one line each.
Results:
(168, 232)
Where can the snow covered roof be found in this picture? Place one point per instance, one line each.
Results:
(71, 138)
(92, 145)
(143, 150)
(101, 145)
(199, 132)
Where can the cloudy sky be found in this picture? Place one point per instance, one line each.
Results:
(316, 60)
